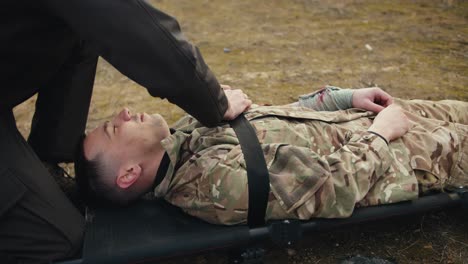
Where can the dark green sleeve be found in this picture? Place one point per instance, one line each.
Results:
(147, 45)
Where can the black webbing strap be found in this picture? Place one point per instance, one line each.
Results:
(257, 172)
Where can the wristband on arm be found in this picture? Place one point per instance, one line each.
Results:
(377, 134)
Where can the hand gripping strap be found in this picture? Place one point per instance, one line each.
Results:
(257, 172)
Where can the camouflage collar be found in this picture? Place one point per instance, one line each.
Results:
(172, 145)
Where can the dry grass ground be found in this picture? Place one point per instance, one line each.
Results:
(278, 49)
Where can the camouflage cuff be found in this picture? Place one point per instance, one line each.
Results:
(376, 145)
(377, 134)
(372, 138)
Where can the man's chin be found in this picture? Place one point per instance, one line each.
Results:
(160, 122)
(157, 119)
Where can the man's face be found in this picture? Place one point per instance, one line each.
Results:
(126, 137)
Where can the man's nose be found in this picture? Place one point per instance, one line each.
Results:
(123, 116)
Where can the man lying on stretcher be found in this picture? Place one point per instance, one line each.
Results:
(322, 161)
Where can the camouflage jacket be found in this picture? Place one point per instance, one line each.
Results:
(321, 164)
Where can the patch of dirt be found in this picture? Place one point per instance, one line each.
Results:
(276, 50)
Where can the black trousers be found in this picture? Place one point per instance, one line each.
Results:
(37, 221)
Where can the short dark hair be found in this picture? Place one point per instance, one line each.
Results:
(90, 179)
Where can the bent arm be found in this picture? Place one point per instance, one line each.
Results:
(329, 186)
(332, 98)
(147, 45)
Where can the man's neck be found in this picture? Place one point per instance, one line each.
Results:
(157, 157)
(153, 163)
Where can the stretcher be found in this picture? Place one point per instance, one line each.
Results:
(153, 230)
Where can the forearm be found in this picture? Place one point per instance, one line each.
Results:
(147, 45)
(329, 98)
(352, 172)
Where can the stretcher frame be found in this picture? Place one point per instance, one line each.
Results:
(153, 230)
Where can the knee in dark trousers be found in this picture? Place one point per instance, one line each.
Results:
(33, 230)
(37, 222)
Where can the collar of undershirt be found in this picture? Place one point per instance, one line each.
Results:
(161, 173)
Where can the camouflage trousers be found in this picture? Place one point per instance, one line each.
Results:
(437, 142)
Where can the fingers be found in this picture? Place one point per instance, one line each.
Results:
(235, 93)
(372, 99)
(225, 87)
(384, 98)
(371, 106)
(238, 103)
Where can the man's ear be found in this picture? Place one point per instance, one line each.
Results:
(128, 175)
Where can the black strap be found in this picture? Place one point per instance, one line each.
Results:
(257, 172)
(163, 165)
(161, 173)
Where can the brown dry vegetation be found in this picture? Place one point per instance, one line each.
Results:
(278, 49)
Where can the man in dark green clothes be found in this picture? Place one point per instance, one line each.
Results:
(51, 47)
